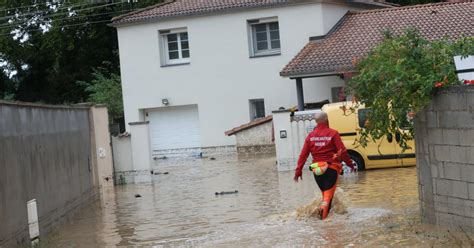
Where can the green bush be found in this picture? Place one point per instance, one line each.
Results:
(398, 78)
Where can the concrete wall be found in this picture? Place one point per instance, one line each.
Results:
(46, 153)
(132, 155)
(221, 77)
(256, 140)
(445, 158)
(101, 143)
(297, 129)
(122, 147)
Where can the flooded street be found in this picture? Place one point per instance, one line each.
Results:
(181, 209)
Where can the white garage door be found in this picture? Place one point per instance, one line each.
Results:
(174, 127)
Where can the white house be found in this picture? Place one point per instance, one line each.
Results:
(196, 68)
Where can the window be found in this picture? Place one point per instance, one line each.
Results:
(265, 37)
(362, 113)
(257, 109)
(175, 47)
(337, 94)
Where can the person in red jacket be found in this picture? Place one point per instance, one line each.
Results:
(327, 150)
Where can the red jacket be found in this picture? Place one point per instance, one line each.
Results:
(323, 143)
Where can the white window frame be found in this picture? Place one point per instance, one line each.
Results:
(253, 39)
(165, 59)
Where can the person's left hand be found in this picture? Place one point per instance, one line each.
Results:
(298, 175)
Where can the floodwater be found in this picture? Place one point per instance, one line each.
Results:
(180, 209)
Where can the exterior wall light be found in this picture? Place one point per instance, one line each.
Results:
(165, 101)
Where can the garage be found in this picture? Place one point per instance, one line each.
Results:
(174, 127)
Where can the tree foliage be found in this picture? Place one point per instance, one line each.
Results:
(398, 78)
(105, 88)
(47, 46)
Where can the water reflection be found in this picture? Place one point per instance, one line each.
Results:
(181, 209)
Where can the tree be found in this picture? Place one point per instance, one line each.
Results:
(48, 46)
(398, 78)
(105, 88)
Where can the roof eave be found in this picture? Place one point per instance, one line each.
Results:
(315, 74)
(117, 23)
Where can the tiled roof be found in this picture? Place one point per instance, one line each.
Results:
(251, 124)
(359, 32)
(176, 8)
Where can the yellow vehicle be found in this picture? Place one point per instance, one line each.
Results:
(382, 153)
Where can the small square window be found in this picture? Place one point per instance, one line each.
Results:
(265, 37)
(175, 47)
(257, 109)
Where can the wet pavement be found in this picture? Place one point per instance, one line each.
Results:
(180, 209)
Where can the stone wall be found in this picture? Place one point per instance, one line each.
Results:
(48, 153)
(256, 140)
(445, 158)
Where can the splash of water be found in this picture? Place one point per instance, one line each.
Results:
(338, 206)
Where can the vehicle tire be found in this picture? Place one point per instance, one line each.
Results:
(359, 162)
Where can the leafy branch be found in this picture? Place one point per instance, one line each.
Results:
(398, 79)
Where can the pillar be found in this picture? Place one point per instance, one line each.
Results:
(299, 93)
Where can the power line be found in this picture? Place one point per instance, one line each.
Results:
(63, 26)
(64, 5)
(39, 4)
(13, 24)
(38, 12)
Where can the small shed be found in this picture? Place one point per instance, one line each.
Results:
(255, 137)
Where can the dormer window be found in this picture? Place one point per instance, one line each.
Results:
(175, 47)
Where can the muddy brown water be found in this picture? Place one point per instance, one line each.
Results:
(180, 209)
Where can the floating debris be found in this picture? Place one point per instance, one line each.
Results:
(161, 173)
(137, 196)
(227, 192)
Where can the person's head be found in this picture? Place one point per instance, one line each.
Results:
(321, 118)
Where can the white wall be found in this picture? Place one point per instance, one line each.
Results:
(288, 149)
(103, 150)
(221, 77)
(122, 154)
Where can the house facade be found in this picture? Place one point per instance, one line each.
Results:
(195, 69)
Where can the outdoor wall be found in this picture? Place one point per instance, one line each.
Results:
(102, 145)
(132, 155)
(445, 158)
(290, 134)
(123, 164)
(256, 140)
(221, 77)
(45, 154)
